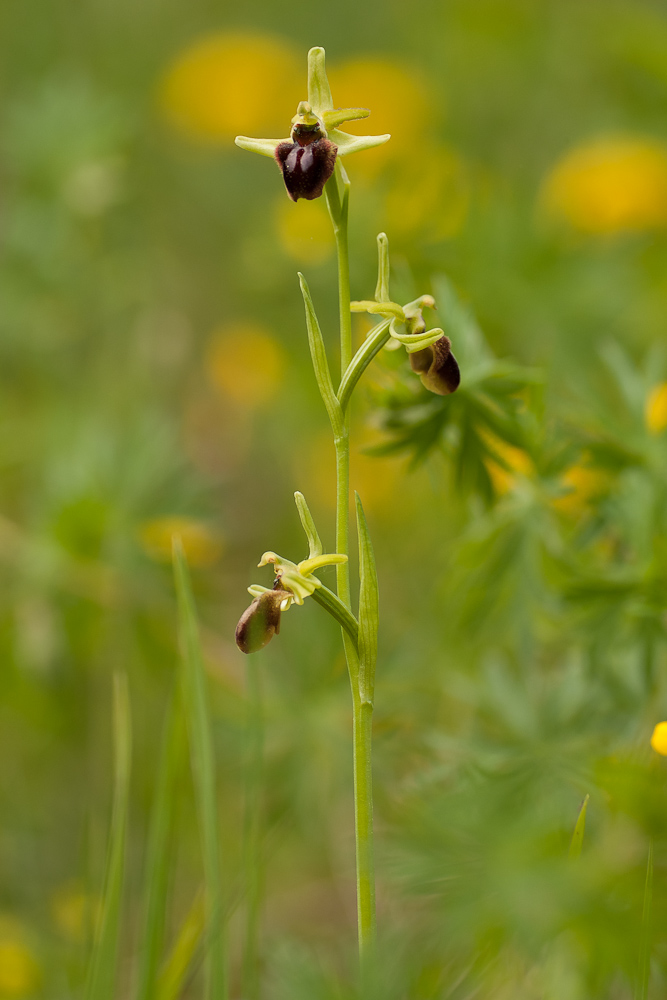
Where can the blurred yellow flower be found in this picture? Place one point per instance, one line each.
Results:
(516, 463)
(655, 412)
(246, 362)
(202, 545)
(19, 969)
(585, 485)
(659, 739)
(304, 230)
(609, 186)
(430, 194)
(231, 82)
(398, 100)
(74, 911)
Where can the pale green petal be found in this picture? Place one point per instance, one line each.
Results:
(378, 308)
(418, 341)
(355, 143)
(255, 590)
(332, 119)
(265, 147)
(327, 559)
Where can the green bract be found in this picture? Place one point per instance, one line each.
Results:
(319, 108)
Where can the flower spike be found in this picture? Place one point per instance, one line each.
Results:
(308, 155)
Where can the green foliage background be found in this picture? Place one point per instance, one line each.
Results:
(522, 645)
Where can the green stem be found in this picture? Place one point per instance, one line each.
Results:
(363, 814)
(338, 210)
(373, 344)
(337, 193)
(252, 832)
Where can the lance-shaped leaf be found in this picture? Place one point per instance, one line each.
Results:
(315, 547)
(644, 965)
(368, 608)
(102, 972)
(319, 358)
(578, 833)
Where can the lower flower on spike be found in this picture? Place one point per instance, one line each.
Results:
(261, 621)
(294, 582)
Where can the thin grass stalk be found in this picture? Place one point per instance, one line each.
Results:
(100, 984)
(156, 882)
(252, 833)
(643, 973)
(203, 768)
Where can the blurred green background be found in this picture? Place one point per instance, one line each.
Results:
(155, 378)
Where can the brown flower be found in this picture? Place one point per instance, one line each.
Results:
(437, 367)
(261, 621)
(307, 162)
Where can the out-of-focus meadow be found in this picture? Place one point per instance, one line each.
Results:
(155, 378)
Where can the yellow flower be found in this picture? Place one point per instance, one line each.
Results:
(304, 231)
(585, 485)
(201, 545)
(609, 186)
(430, 194)
(246, 362)
(229, 82)
(398, 98)
(19, 970)
(659, 739)
(74, 911)
(655, 412)
(515, 463)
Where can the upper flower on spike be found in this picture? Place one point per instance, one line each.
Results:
(294, 582)
(430, 350)
(307, 156)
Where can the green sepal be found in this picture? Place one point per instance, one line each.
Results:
(332, 119)
(368, 608)
(356, 143)
(382, 287)
(265, 147)
(319, 91)
(579, 827)
(315, 547)
(320, 363)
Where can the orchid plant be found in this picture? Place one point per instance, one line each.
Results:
(310, 161)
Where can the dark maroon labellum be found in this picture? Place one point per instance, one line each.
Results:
(307, 163)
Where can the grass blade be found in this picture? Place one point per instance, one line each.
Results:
(641, 990)
(368, 608)
(203, 768)
(157, 853)
(579, 827)
(186, 949)
(100, 984)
